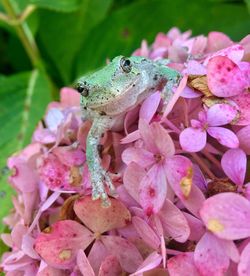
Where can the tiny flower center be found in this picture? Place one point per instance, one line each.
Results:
(158, 157)
(65, 254)
(215, 225)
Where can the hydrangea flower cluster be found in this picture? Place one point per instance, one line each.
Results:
(180, 171)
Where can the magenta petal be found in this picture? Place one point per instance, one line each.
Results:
(244, 138)
(146, 232)
(234, 163)
(153, 190)
(244, 264)
(221, 114)
(61, 253)
(127, 254)
(140, 156)
(224, 136)
(110, 267)
(150, 106)
(227, 215)
(209, 256)
(174, 222)
(83, 264)
(182, 265)
(193, 139)
(224, 77)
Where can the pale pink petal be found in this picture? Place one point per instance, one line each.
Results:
(131, 137)
(69, 155)
(243, 102)
(125, 197)
(142, 157)
(227, 215)
(152, 261)
(189, 93)
(193, 139)
(221, 114)
(110, 267)
(83, 264)
(127, 254)
(69, 97)
(146, 232)
(133, 175)
(234, 163)
(245, 68)
(61, 253)
(149, 107)
(224, 136)
(53, 119)
(195, 68)
(174, 222)
(50, 271)
(153, 190)
(209, 256)
(217, 41)
(182, 265)
(196, 226)
(244, 138)
(199, 45)
(244, 264)
(231, 250)
(97, 255)
(130, 118)
(224, 77)
(100, 219)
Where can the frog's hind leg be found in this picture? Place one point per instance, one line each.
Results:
(99, 177)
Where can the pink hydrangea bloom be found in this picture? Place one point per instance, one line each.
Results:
(179, 168)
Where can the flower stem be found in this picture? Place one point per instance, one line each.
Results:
(203, 165)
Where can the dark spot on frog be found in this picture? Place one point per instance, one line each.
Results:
(102, 113)
(133, 85)
(155, 77)
(100, 149)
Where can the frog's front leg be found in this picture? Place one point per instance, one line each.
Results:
(99, 177)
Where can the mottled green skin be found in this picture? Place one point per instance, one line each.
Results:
(111, 93)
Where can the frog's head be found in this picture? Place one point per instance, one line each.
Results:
(114, 80)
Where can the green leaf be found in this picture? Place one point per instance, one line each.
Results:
(23, 100)
(248, 4)
(123, 30)
(61, 35)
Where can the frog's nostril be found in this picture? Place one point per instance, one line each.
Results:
(82, 89)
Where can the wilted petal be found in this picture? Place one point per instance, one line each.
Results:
(174, 222)
(140, 156)
(227, 215)
(152, 261)
(61, 252)
(221, 114)
(210, 257)
(150, 106)
(110, 267)
(224, 136)
(153, 190)
(83, 264)
(234, 163)
(182, 265)
(243, 102)
(146, 232)
(244, 264)
(193, 139)
(127, 254)
(244, 138)
(224, 77)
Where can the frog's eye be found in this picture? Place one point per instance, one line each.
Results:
(82, 89)
(126, 64)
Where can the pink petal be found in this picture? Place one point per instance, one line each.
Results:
(97, 255)
(189, 93)
(179, 171)
(110, 267)
(227, 215)
(217, 41)
(182, 265)
(193, 139)
(131, 118)
(243, 102)
(244, 138)
(70, 156)
(61, 252)
(127, 254)
(221, 114)
(50, 271)
(244, 264)
(234, 163)
(174, 222)
(195, 68)
(149, 107)
(54, 118)
(83, 264)
(100, 219)
(140, 156)
(209, 256)
(196, 226)
(224, 136)
(146, 232)
(153, 190)
(69, 97)
(133, 175)
(224, 77)
(125, 197)
(152, 261)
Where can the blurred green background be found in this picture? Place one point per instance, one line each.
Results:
(47, 44)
